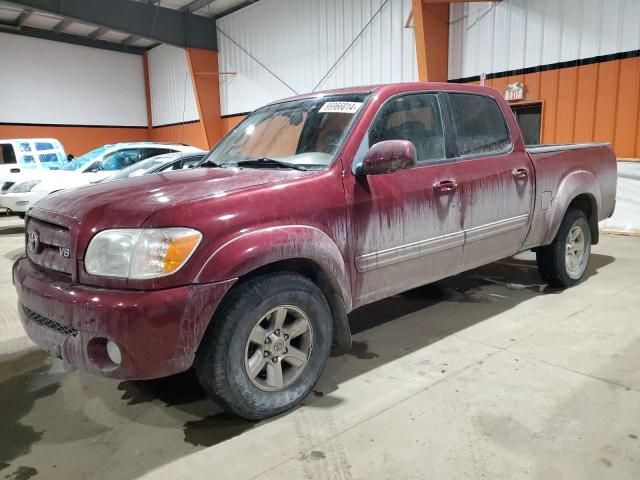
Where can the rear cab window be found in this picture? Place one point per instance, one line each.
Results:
(479, 124)
(44, 146)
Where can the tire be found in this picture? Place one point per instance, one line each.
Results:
(225, 360)
(554, 264)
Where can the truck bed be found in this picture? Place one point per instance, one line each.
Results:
(562, 171)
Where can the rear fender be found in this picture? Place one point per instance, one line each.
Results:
(574, 184)
(260, 248)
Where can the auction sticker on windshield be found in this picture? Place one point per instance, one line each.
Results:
(340, 107)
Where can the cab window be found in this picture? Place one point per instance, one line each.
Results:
(44, 146)
(28, 161)
(414, 117)
(480, 127)
(120, 159)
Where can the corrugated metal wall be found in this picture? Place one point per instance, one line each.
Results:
(491, 37)
(282, 47)
(171, 89)
(45, 82)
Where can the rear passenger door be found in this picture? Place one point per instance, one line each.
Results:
(495, 182)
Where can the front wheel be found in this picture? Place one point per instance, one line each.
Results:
(563, 262)
(267, 345)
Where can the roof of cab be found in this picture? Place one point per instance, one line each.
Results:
(388, 88)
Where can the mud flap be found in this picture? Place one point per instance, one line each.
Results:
(341, 331)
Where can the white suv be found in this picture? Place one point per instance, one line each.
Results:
(88, 168)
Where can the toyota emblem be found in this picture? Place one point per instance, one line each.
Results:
(33, 242)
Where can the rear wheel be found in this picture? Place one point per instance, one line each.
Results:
(267, 345)
(563, 262)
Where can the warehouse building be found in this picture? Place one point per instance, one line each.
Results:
(571, 68)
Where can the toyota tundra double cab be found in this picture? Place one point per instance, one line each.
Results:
(246, 267)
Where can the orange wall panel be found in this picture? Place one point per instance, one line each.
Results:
(188, 133)
(627, 115)
(586, 89)
(229, 122)
(76, 140)
(588, 103)
(606, 102)
(549, 93)
(203, 65)
(566, 105)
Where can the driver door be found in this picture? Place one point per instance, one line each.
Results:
(407, 225)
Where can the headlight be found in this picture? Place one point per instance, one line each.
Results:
(25, 186)
(140, 253)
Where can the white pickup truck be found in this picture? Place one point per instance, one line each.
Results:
(20, 158)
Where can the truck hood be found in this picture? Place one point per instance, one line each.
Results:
(129, 202)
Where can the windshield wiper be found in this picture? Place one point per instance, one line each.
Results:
(269, 162)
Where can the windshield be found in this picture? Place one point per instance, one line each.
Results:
(82, 160)
(306, 133)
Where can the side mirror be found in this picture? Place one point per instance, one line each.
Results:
(388, 157)
(70, 157)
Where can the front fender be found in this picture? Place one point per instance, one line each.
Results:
(259, 248)
(575, 183)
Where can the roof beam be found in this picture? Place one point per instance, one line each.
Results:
(179, 28)
(196, 5)
(98, 32)
(73, 39)
(130, 39)
(64, 23)
(24, 15)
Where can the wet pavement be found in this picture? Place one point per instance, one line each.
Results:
(485, 375)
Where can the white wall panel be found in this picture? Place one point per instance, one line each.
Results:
(171, 89)
(489, 37)
(300, 40)
(45, 82)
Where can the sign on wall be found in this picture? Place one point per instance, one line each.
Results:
(514, 92)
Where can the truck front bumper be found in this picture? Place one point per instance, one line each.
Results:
(156, 332)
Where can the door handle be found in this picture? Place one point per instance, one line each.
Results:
(445, 186)
(520, 173)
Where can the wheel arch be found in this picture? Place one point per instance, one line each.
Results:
(578, 190)
(299, 249)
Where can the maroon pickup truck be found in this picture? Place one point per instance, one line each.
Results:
(247, 267)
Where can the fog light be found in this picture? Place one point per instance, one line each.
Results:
(114, 352)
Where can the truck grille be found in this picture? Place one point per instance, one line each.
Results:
(47, 322)
(49, 245)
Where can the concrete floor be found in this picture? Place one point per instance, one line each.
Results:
(485, 375)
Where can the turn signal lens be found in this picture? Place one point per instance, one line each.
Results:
(179, 250)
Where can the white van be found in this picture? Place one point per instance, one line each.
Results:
(23, 155)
